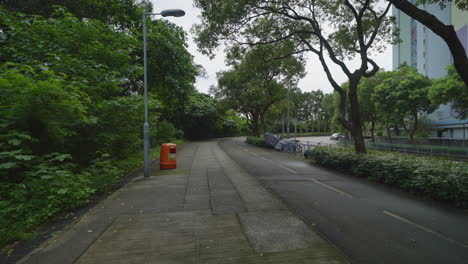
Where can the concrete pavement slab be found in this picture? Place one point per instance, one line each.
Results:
(278, 231)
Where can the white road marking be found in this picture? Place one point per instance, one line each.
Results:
(286, 168)
(333, 189)
(253, 153)
(424, 228)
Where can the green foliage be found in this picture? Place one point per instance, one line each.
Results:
(123, 14)
(49, 186)
(450, 89)
(438, 179)
(104, 173)
(256, 81)
(258, 141)
(200, 116)
(171, 68)
(87, 54)
(166, 132)
(71, 111)
(230, 124)
(402, 96)
(461, 4)
(41, 104)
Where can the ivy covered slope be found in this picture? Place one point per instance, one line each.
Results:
(436, 178)
(71, 110)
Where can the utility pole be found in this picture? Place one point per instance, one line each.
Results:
(287, 118)
(295, 128)
(282, 132)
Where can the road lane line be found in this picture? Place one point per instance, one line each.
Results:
(267, 159)
(253, 153)
(286, 168)
(424, 228)
(333, 189)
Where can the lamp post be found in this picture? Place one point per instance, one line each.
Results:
(287, 117)
(146, 143)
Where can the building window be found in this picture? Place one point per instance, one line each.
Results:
(414, 43)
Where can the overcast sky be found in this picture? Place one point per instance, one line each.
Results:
(314, 80)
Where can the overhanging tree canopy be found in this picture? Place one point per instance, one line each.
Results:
(256, 80)
(333, 30)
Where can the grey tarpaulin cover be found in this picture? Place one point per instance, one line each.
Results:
(286, 145)
(271, 139)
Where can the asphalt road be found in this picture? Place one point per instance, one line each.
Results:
(324, 140)
(369, 222)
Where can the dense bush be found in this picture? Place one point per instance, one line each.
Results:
(71, 113)
(49, 185)
(438, 179)
(258, 141)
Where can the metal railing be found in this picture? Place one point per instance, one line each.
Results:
(443, 147)
(309, 145)
(447, 150)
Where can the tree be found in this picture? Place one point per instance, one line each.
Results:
(256, 81)
(404, 96)
(87, 53)
(359, 27)
(450, 89)
(446, 32)
(200, 116)
(369, 110)
(171, 69)
(123, 14)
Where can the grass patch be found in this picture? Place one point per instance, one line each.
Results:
(257, 141)
(438, 179)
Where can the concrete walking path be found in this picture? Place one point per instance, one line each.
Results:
(208, 210)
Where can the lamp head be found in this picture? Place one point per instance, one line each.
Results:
(173, 12)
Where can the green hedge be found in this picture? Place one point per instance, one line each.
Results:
(258, 141)
(438, 179)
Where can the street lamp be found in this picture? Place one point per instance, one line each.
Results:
(146, 143)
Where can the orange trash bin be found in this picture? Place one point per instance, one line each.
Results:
(167, 160)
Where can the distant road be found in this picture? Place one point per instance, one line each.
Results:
(322, 140)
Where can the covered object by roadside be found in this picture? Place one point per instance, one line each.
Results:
(286, 145)
(271, 139)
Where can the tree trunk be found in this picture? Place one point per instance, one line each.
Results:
(414, 128)
(263, 124)
(397, 130)
(446, 32)
(255, 126)
(372, 130)
(389, 133)
(355, 117)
